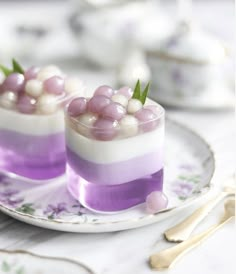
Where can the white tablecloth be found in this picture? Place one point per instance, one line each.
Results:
(127, 252)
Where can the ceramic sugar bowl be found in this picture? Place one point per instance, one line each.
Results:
(187, 63)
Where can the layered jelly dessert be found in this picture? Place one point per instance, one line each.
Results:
(114, 144)
(32, 142)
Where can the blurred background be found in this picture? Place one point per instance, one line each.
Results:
(186, 48)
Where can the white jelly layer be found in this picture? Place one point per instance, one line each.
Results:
(32, 124)
(106, 152)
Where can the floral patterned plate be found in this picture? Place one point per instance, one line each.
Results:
(189, 167)
(22, 262)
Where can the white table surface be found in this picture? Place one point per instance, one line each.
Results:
(127, 252)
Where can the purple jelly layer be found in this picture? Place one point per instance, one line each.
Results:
(35, 157)
(111, 198)
(117, 172)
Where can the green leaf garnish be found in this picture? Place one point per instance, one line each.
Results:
(137, 91)
(140, 95)
(6, 71)
(17, 67)
(144, 94)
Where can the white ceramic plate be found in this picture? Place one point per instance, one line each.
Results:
(189, 167)
(22, 262)
(217, 97)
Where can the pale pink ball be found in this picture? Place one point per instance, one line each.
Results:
(104, 90)
(156, 201)
(126, 91)
(14, 82)
(114, 111)
(147, 119)
(97, 103)
(54, 85)
(31, 73)
(26, 104)
(155, 109)
(104, 129)
(77, 106)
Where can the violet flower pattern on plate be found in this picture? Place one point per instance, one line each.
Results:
(189, 168)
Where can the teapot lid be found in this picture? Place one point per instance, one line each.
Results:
(189, 43)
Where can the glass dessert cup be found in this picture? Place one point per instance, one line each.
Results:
(114, 169)
(32, 142)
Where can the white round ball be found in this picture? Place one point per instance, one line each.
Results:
(44, 75)
(128, 126)
(86, 121)
(8, 99)
(74, 85)
(134, 105)
(47, 104)
(121, 99)
(34, 88)
(47, 72)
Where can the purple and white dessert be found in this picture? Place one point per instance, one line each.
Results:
(32, 142)
(114, 148)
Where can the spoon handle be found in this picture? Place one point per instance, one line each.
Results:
(167, 257)
(183, 230)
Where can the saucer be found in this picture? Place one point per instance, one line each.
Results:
(189, 167)
(217, 97)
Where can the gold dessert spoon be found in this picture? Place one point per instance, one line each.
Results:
(166, 258)
(183, 230)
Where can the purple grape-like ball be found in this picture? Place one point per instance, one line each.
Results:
(147, 119)
(31, 73)
(97, 103)
(77, 106)
(104, 129)
(14, 82)
(114, 111)
(26, 104)
(54, 85)
(104, 90)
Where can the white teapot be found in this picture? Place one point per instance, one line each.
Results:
(187, 62)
